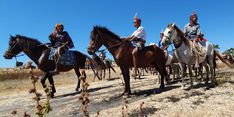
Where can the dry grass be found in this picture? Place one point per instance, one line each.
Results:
(18, 81)
(14, 73)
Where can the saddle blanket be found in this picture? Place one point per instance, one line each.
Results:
(67, 58)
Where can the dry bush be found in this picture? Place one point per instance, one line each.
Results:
(125, 112)
(40, 110)
(84, 96)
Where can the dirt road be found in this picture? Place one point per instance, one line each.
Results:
(105, 96)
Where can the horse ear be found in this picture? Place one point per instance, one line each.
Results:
(11, 36)
(173, 24)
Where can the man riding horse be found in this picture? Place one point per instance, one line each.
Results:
(60, 39)
(138, 39)
(192, 32)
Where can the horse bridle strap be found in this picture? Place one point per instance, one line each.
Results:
(108, 47)
(13, 45)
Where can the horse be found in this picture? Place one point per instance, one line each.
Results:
(122, 53)
(34, 49)
(107, 64)
(184, 49)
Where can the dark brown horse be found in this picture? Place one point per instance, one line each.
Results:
(34, 49)
(122, 52)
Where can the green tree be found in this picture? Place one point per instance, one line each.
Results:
(216, 46)
(229, 51)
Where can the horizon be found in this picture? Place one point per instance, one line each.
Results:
(36, 19)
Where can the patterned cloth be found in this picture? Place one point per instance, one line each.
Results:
(67, 58)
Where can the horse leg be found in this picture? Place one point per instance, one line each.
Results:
(183, 72)
(207, 73)
(104, 74)
(191, 76)
(200, 70)
(139, 73)
(51, 81)
(43, 79)
(212, 70)
(125, 72)
(77, 71)
(135, 62)
(163, 72)
(109, 72)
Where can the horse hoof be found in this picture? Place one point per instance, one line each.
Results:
(162, 87)
(187, 88)
(125, 93)
(77, 89)
(212, 85)
(51, 95)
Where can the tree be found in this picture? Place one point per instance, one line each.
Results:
(216, 46)
(229, 52)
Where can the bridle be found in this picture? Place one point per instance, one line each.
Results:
(102, 41)
(10, 50)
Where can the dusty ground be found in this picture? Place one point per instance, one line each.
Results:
(105, 96)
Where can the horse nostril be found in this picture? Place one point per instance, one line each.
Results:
(6, 56)
(90, 52)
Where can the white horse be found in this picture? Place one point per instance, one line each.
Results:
(184, 52)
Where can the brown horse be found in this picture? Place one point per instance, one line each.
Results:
(122, 52)
(34, 49)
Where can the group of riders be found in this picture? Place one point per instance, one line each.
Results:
(60, 38)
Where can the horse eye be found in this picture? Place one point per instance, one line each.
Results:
(12, 42)
(169, 32)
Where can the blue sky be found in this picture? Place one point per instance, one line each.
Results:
(37, 19)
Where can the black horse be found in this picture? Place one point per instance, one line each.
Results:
(34, 49)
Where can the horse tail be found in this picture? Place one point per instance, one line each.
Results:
(222, 59)
(214, 60)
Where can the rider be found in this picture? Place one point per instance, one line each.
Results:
(138, 39)
(102, 55)
(192, 31)
(60, 38)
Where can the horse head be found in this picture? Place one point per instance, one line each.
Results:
(170, 35)
(14, 47)
(96, 41)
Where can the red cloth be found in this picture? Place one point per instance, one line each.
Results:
(204, 40)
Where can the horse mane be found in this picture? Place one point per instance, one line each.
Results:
(28, 38)
(182, 35)
(107, 31)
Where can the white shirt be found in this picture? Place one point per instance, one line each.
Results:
(139, 33)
